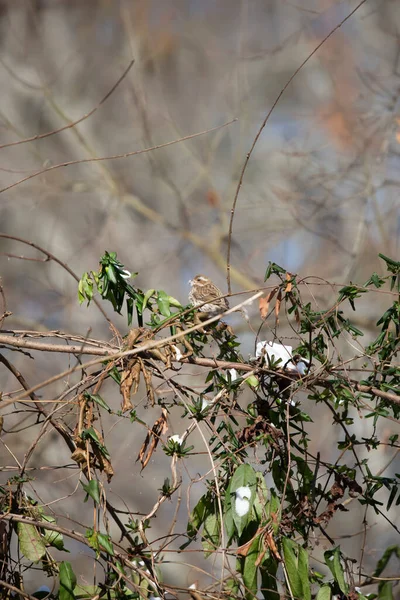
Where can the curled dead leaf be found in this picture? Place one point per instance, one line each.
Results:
(148, 382)
(289, 285)
(152, 438)
(130, 379)
(278, 305)
(263, 303)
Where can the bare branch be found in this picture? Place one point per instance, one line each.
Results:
(74, 123)
(116, 156)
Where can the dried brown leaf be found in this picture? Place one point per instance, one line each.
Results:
(133, 337)
(264, 303)
(79, 456)
(130, 379)
(289, 285)
(327, 515)
(152, 438)
(271, 544)
(278, 306)
(103, 463)
(243, 550)
(149, 386)
(337, 490)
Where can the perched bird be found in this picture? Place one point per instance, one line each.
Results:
(205, 295)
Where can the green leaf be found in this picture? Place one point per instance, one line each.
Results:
(198, 515)
(231, 590)
(273, 268)
(290, 559)
(99, 541)
(386, 590)
(91, 433)
(252, 382)
(375, 280)
(261, 501)
(303, 573)
(244, 477)
(296, 561)
(392, 496)
(115, 375)
(211, 534)
(91, 537)
(381, 565)
(351, 292)
(163, 303)
(392, 265)
(67, 582)
(273, 509)
(229, 525)
(324, 593)
(31, 543)
(147, 297)
(92, 489)
(53, 538)
(332, 560)
(105, 542)
(249, 568)
(269, 586)
(129, 308)
(174, 302)
(85, 288)
(228, 516)
(87, 592)
(110, 272)
(99, 400)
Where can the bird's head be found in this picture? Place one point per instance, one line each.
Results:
(199, 280)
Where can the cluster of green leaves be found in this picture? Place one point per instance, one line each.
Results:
(251, 523)
(111, 282)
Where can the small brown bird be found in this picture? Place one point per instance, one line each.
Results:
(205, 295)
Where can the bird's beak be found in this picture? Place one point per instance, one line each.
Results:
(190, 281)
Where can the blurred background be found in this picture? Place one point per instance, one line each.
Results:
(320, 195)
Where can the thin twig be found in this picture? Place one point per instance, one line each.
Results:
(17, 591)
(50, 256)
(115, 156)
(248, 155)
(70, 125)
